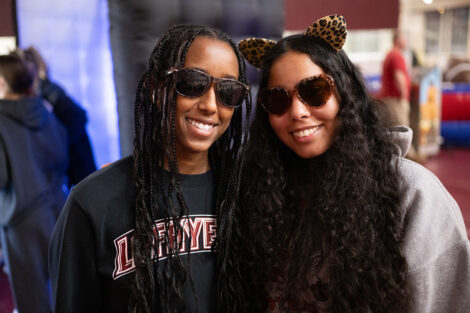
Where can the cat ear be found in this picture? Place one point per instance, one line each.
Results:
(331, 29)
(255, 49)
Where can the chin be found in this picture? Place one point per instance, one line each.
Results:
(308, 153)
(199, 147)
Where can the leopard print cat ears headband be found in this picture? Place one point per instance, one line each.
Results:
(331, 29)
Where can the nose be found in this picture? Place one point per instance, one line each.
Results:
(208, 101)
(297, 109)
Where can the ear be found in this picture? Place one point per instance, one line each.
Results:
(255, 49)
(331, 28)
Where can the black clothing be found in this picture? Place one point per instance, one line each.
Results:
(33, 161)
(91, 260)
(33, 157)
(74, 118)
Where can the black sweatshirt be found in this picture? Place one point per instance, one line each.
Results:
(90, 257)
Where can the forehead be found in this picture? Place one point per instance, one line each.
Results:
(213, 56)
(290, 68)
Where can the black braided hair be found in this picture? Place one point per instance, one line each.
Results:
(157, 288)
(345, 204)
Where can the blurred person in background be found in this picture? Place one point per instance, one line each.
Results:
(396, 83)
(396, 87)
(33, 163)
(70, 113)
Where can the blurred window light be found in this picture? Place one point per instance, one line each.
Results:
(367, 48)
(427, 1)
(447, 31)
(459, 39)
(363, 41)
(432, 22)
(7, 44)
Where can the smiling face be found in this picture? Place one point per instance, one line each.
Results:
(308, 131)
(201, 121)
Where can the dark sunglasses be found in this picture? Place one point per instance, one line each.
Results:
(194, 83)
(314, 91)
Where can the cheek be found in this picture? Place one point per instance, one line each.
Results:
(335, 104)
(276, 121)
(182, 104)
(279, 124)
(331, 109)
(225, 114)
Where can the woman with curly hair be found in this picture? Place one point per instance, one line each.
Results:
(139, 235)
(332, 218)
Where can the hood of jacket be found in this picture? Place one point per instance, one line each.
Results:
(29, 112)
(402, 136)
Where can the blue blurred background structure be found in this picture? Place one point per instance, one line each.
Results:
(76, 39)
(73, 38)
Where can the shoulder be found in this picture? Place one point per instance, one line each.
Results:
(395, 53)
(433, 223)
(419, 182)
(101, 206)
(121, 168)
(393, 58)
(111, 186)
(392, 55)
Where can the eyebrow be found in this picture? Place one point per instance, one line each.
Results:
(202, 70)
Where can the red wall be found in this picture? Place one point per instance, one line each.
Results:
(7, 23)
(359, 14)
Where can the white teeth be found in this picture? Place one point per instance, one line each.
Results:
(306, 132)
(200, 125)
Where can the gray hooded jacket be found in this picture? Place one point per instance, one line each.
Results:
(435, 240)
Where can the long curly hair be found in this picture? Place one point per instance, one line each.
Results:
(158, 287)
(344, 204)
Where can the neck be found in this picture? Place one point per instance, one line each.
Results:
(12, 96)
(191, 163)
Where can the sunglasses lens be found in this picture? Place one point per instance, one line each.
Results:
(275, 100)
(231, 93)
(315, 91)
(191, 83)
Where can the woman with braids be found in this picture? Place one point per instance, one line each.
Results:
(332, 218)
(139, 235)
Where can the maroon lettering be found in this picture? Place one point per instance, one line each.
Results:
(210, 230)
(202, 231)
(194, 230)
(123, 262)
